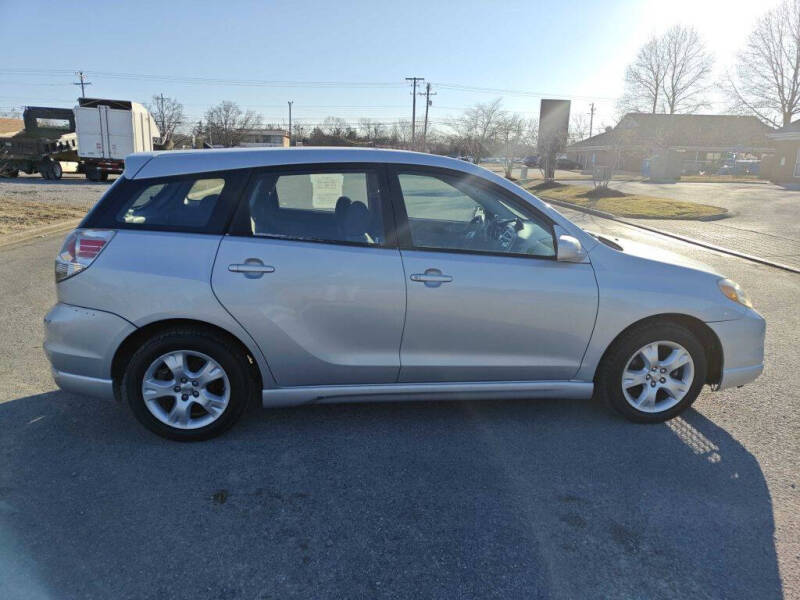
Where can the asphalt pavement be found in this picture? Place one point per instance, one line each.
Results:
(763, 218)
(504, 499)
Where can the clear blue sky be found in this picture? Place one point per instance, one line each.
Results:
(574, 50)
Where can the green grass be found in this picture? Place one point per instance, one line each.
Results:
(625, 205)
(721, 178)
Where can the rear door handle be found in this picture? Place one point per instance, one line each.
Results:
(251, 269)
(432, 277)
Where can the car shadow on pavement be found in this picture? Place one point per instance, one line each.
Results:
(505, 499)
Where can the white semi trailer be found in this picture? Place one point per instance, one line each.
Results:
(109, 130)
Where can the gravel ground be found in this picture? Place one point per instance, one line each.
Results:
(542, 499)
(29, 201)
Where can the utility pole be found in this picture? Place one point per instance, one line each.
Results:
(82, 76)
(428, 93)
(414, 81)
(591, 119)
(290, 121)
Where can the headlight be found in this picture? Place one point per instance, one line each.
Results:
(732, 290)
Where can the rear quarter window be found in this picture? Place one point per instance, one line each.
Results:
(195, 203)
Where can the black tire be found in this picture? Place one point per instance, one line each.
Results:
(608, 382)
(56, 170)
(92, 173)
(224, 351)
(10, 173)
(103, 176)
(46, 170)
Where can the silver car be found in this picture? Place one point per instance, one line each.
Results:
(204, 280)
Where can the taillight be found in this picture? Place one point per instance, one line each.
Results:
(80, 249)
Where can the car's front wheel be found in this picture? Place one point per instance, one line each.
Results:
(653, 372)
(187, 384)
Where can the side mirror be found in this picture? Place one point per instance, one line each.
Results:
(569, 249)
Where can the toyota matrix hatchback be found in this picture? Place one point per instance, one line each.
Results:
(202, 280)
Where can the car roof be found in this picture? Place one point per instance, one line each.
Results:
(180, 162)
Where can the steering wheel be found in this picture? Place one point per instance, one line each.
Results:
(504, 231)
(476, 229)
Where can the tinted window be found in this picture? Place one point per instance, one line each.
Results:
(183, 203)
(318, 206)
(452, 212)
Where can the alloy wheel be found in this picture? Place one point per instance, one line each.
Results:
(186, 389)
(658, 376)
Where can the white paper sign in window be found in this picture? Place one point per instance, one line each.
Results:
(327, 190)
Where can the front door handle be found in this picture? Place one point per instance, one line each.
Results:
(432, 277)
(251, 268)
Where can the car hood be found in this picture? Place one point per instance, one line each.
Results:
(652, 253)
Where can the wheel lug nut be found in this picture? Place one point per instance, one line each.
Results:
(647, 376)
(186, 396)
(183, 379)
(177, 388)
(653, 383)
(195, 393)
(663, 370)
(662, 380)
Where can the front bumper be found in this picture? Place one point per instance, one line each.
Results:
(742, 348)
(80, 344)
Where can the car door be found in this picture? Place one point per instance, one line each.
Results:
(486, 298)
(308, 271)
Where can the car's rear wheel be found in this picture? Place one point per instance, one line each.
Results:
(654, 372)
(187, 384)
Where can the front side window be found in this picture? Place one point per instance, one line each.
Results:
(317, 206)
(451, 212)
(186, 203)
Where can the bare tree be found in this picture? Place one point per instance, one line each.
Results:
(688, 66)
(510, 134)
(578, 128)
(400, 133)
(335, 127)
(372, 131)
(644, 78)
(300, 132)
(530, 137)
(766, 81)
(477, 128)
(669, 74)
(168, 114)
(226, 123)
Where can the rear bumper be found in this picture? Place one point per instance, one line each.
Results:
(84, 386)
(742, 349)
(80, 344)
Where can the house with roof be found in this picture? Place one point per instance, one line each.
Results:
(682, 143)
(783, 165)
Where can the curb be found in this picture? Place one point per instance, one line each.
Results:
(600, 213)
(683, 238)
(27, 235)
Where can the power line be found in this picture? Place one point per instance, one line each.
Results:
(212, 80)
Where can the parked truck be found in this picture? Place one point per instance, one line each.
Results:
(97, 135)
(47, 138)
(109, 130)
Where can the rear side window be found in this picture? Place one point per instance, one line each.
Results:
(319, 206)
(200, 203)
(185, 203)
